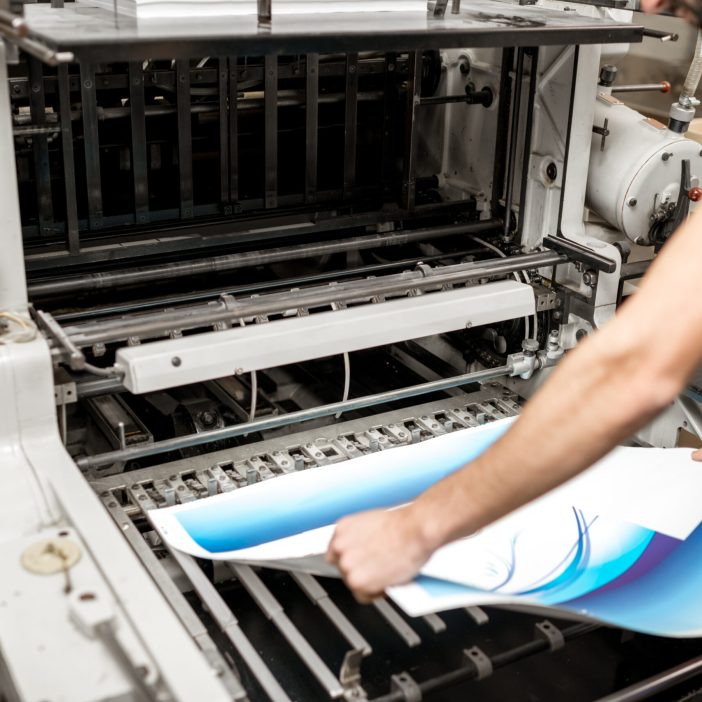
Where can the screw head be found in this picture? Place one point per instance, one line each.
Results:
(551, 171)
(176, 361)
(666, 156)
(632, 202)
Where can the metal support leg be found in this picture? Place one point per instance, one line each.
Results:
(414, 82)
(271, 131)
(69, 168)
(350, 124)
(311, 127)
(138, 123)
(185, 142)
(91, 144)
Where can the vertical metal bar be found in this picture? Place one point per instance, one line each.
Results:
(40, 148)
(513, 136)
(174, 596)
(526, 154)
(271, 131)
(389, 108)
(265, 14)
(138, 120)
(223, 66)
(91, 144)
(501, 134)
(69, 168)
(414, 83)
(576, 56)
(350, 122)
(320, 597)
(275, 613)
(401, 627)
(311, 127)
(185, 141)
(228, 623)
(233, 131)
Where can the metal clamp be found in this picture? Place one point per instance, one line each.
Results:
(407, 686)
(552, 634)
(480, 661)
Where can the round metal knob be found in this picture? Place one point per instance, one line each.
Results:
(695, 193)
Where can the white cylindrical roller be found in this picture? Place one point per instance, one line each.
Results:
(638, 170)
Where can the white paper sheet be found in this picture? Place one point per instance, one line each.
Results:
(619, 527)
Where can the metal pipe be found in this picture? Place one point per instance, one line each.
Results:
(514, 133)
(469, 672)
(217, 264)
(662, 87)
(162, 323)
(278, 421)
(657, 683)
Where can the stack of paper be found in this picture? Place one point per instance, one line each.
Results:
(622, 543)
(192, 9)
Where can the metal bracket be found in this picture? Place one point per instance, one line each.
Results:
(480, 661)
(551, 633)
(350, 674)
(407, 686)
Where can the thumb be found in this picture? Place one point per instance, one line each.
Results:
(697, 455)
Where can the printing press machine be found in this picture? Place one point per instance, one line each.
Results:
(232, 249)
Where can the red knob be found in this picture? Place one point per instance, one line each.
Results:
(665, 86)
(695, 194)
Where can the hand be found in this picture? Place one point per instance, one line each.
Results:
(378, 549)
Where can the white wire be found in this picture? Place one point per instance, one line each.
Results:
(347, 382)
(525, 279)
(27, 329)
(254, 387)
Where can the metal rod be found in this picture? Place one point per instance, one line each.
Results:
(14, 22)
(69, 169)
(215, 264)
(387, 165)
(233, 131)
(40, 148)
(230, 310)
(271, 131)
(34, 48)
(223, 95)
(137, 112)
(526, 154)
(311, 127)
(469, 672)
(514, 134)
(662, 87)
(91, 145)
(275, 422)
(350, 124)
(229, 625)
(501, 133)
(657, 683)
(414, 84)
(185, 141)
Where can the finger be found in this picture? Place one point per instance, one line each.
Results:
(367, 597)
(697, 455)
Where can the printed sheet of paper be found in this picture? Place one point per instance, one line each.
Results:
(621, 543)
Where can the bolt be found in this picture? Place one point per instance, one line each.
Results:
(640, 240)
(469, 325)
(580, 334)
(666, 156)
(352, 69)
(175, 361)
(551, 171)
(632, 202)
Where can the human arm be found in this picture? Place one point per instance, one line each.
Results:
(610, 386)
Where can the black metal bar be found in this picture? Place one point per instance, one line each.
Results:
(40, 148)
(647, 689)
(576, 252)
(576, 55)
(91, 144)
(513, 138)
(69, 168)
(244, 259)
(223, 92)
(233, 131)
(414, 83)
(311, 126)
(470, 672)
(500, 159)
(526, 154)
(350, 123)
(389, 108)
(185, 142)
(271, 131)
(137, 109)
